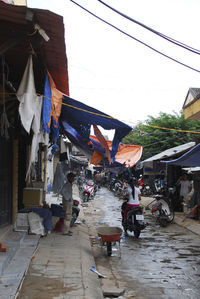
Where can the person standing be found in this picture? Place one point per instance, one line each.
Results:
(195, 198)
(185, 188)
(67, 202)
(98, 179)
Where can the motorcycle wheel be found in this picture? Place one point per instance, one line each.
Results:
(117, 192)
(163, 221)
(92, 196)
(171, 216)
(112, 188)
(149, 192)
(137, 233)
(143, 192)
(85, 197)
(124, 226)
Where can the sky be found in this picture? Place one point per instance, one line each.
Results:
(119, 76)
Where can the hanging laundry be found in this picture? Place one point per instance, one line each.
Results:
(30, 112)
(65, 150)
(27, 96)
(36, 136)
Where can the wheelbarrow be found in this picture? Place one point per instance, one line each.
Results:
(109, 234)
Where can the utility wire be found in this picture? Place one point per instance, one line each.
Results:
(125, 33)
(176, 130)
(174, 41)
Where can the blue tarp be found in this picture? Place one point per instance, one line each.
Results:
(189, 159)
(46, 105)
(77, 118)
(46, 112)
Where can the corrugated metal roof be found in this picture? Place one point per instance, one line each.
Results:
(52, 54)
(170, 152)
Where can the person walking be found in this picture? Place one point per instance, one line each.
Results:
(67, 202)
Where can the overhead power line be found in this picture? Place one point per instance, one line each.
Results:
(170, 39)
(144, 44)
(176, 130)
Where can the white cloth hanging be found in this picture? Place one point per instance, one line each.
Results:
(27, 96)
(30, 111)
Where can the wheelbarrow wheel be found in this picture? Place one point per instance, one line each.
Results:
(109, 248)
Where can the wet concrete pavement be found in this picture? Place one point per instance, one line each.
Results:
(162, 263)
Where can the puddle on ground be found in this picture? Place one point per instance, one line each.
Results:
(166, 261)
(160, 264)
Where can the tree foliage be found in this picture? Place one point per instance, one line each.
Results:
(156, 140)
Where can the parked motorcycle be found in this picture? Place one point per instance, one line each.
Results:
(111, 186)
(135, 220)
(93, 184)
(88, 192)
(80, 182)
(120, 188)
(162, 209)
(146, 190)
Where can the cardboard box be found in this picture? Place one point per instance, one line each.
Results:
(32, 196)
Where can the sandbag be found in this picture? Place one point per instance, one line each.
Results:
(35, 224)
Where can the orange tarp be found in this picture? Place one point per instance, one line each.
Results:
(102, 141)
(56, 103)
(128, 155)
(96, 158)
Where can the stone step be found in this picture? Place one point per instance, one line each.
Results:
(10, 243)
(15, 265)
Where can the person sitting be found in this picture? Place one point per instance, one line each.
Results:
(134, 197)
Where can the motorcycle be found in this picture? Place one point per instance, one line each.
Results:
(135, 220)
(162, 210)
(146, 190)
(111, 186)
(120, 188)
(91, 183)
(88, 192)
(80, 182)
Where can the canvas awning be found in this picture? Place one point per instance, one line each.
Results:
(127, 155)
(77, 118)
(189, 159)
(172, 152)
(78, 161)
